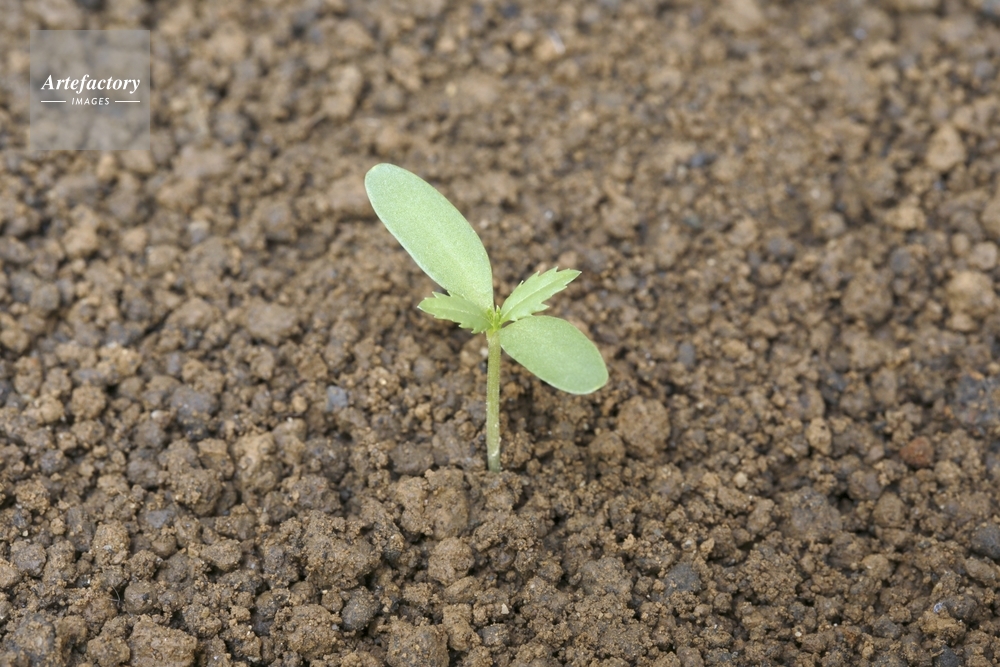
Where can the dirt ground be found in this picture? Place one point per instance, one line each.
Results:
(228, 437)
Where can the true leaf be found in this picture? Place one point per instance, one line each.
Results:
(529, 297)
(439, 239)
(456, 309)
(557, 352)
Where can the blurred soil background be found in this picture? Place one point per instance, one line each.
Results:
(227, 437)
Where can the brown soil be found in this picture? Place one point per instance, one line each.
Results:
(228, 437)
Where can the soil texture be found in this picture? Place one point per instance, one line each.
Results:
(227, 436)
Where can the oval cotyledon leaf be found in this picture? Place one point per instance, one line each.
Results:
(557, 352)
(438, 238)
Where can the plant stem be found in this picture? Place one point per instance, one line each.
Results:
(493, 401)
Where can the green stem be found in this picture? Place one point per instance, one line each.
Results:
(493, 401)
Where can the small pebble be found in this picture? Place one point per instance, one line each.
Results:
(971, 292)
(918, 453)
(984, 256)
(986, 541)
(336, 398)
(945, 149)
(906, 218)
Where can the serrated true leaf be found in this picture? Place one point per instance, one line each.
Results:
(529, 297)
(557, 352)
(456, 309)
(439, 239)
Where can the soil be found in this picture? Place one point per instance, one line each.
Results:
(228, 437)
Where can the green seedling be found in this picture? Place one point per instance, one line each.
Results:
(445, 246)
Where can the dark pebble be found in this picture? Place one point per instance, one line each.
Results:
(359, 610)
(682, 578)
(336, 398)
(947, 658)
(986, 541)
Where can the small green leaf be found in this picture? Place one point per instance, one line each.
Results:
(439, 239)
(529, 297)
(456, 309)
(557, 352)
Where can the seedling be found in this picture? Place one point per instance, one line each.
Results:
(445, 246)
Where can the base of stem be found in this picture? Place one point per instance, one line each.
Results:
(493, 401)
